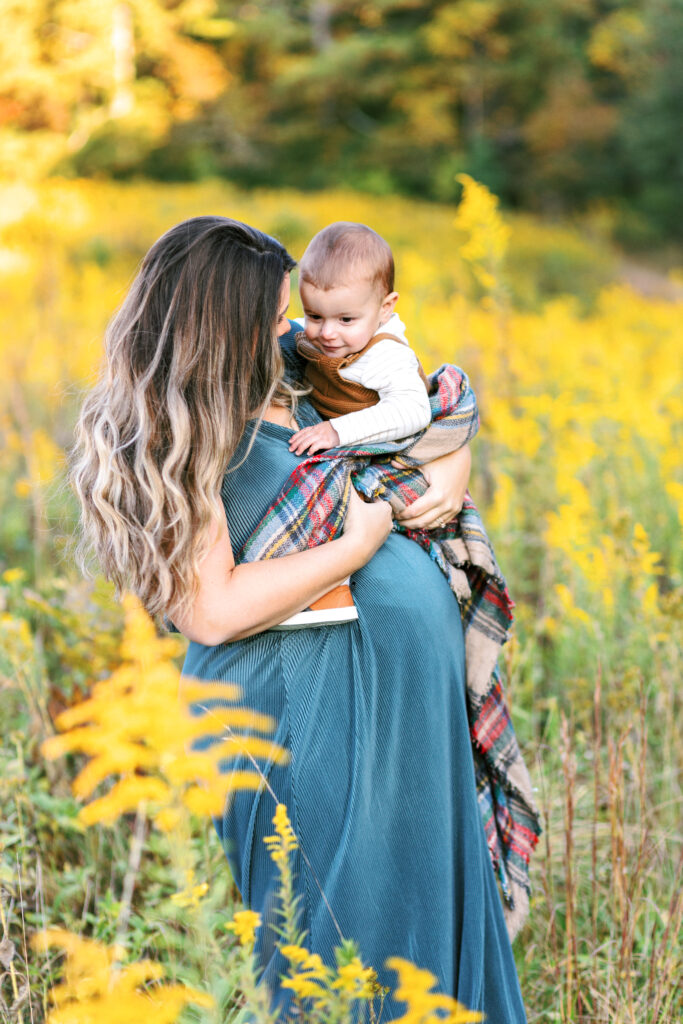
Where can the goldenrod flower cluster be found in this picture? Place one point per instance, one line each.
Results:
(192, 894)
(311, 976)
(284, 841)
(329, 992)
(96, 988)
(133, 728)
(13, 576)
(15, 632)
(423, 1005)
(584, 417)
(329, 989)
(15, 636)
(244, 924)
(356, 980)
(486, 234)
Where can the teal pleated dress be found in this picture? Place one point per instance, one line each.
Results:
(380, 785)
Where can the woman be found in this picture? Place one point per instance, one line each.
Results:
(380, 784)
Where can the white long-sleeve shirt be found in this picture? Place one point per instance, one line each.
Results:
(391, 369)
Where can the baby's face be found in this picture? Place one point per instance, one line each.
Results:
(341, 320)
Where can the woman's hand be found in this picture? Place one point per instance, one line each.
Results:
(447, 477)
(367, 526)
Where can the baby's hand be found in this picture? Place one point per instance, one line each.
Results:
(314, 439)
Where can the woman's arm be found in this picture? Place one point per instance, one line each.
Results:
(447, 477)
(236, 601)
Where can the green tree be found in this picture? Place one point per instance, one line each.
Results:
(550, 104)
(402, 94)
(650, 125)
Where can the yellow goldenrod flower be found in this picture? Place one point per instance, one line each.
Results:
(303, 986)
(295, 954)
(568, 606)
(192, 894)
(13, 575)
(356, 980)
(649, 562)
(16, 637)
(133, 726)
(168, 819)
(244, 925)
(313, 967)
(95, 988)
(486, 235)
(423, 1005)
(280, 845)
(22, 487)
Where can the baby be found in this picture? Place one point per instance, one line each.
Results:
(366, 380)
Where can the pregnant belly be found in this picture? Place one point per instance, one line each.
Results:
(403, 600)
(403, 591)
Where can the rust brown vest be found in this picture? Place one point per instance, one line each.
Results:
(331, 394)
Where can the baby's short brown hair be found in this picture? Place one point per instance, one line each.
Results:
(343, 249)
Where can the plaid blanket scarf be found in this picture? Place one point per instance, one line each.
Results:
(310, 510)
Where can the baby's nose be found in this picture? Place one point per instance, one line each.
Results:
(327, 329)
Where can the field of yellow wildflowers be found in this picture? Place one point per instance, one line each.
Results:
(577, 470)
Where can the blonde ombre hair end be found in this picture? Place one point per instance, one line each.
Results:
(190, 357)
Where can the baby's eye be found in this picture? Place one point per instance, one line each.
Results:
(347, 319)
(312, 316)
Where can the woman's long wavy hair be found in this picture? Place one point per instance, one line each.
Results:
(190, 357)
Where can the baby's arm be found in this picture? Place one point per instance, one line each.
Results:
(392, 370)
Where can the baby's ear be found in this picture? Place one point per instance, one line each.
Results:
(388, 304)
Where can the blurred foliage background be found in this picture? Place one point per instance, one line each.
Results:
(555, 106)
